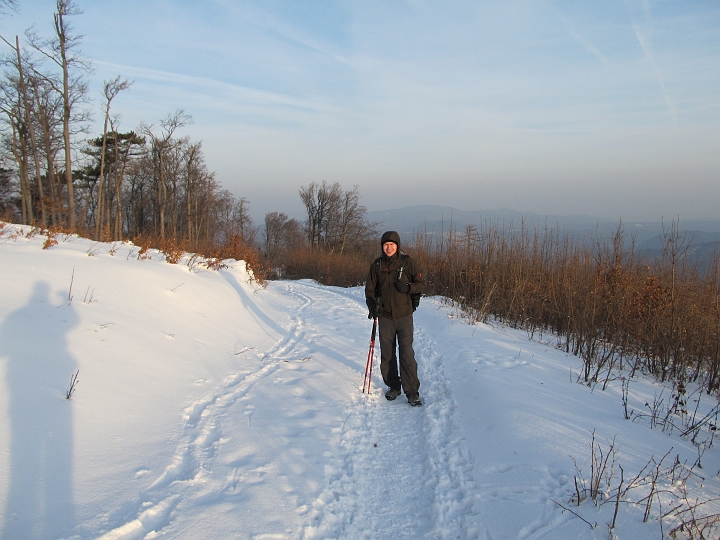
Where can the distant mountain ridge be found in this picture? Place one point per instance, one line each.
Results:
(425, 217)
(702, 235)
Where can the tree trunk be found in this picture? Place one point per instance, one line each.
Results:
(162, 193)
(61, 33)
(31, 131)
(101, 180)
(21, 159)
(44, 121)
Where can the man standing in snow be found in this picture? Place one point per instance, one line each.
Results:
(392, 282)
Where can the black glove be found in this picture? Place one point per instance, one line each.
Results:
(402, 287)
(375, 308)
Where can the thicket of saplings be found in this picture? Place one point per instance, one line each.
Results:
(606, 303)
(326, 267)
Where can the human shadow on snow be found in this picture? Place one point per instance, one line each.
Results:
(33, 343)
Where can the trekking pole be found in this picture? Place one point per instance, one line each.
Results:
(371, 355)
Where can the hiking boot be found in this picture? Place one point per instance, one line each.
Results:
(391, 394)
(414, 400)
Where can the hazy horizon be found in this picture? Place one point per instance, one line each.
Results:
(555, 107)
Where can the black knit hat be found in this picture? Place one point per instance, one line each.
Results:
(390, 236)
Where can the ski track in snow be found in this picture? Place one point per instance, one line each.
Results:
(202, 435)
(192, 459)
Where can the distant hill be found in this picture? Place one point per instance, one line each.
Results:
(703, 236)
(434, 219)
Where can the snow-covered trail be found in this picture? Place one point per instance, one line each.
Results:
(276, 435)
(400, 471)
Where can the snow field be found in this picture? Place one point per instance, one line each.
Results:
(211, 408)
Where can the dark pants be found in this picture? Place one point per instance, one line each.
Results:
(398, 331)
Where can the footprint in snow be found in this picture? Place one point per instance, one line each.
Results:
(249, 410)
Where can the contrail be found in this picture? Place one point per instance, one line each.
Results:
(644, 42)
(586, 44)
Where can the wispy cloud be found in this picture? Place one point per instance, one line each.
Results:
(583, 41)
(643, 38)
(228, 97)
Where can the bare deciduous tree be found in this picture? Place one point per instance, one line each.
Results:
(20, 117)
(281, 234)
(335, 217)
(163, 145)
(242, 223)
(63, 51)
(16, 141)
(7, 4)
(47, 111)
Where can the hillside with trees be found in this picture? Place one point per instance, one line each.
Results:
(151, 183)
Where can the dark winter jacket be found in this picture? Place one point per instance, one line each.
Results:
(395, 304)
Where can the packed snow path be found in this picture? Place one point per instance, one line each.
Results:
(400, 472)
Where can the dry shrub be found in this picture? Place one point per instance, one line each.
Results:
(9, 215)
(51, 233)
(213, 262)
(172, 251)
(661, 489)
(235, 247)
(105, 234)
(326, 268)
(144, 243)
(50, 241)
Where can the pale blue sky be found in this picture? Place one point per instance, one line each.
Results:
(551, 106)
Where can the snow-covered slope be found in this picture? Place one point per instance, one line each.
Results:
(209, 407)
